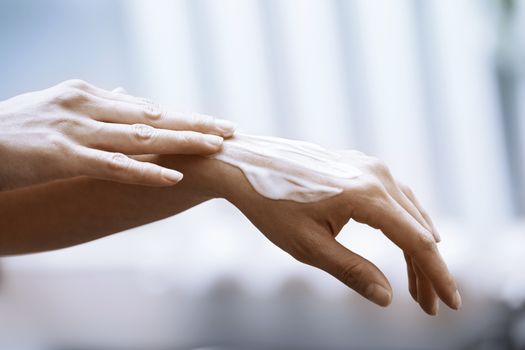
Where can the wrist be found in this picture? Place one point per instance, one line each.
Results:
(208, 178)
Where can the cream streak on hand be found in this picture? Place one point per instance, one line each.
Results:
(279, 168)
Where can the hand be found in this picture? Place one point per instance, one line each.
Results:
(75, 129)
(308, 231)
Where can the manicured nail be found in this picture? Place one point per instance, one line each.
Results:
(226, 126)
(456, 302)
(171, 175)
(213, 140)
(378, 294)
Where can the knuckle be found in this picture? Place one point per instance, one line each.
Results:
(309, 250)
(68, 125)
(76, 84)
(353, 274)
(378, 166)
(56, 141)
(372, 187)
(369, 198)
(143, 131)
(91, 126)
(70, 97)
(424, 244)
(60, 145)
(151, 109)
(119, 162)
(405, 189)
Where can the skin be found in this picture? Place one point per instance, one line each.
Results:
(76, 129)
(77, 210)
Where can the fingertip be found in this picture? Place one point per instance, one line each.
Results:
(226, 127)
(435, 307)
(452, 300)
(213, 141)
(171, 176)
(208, 144)
(431, 310)
(378, 294)
(456, 301)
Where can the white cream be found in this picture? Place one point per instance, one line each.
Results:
(279, 168)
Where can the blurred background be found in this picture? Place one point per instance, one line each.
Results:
(435, 88)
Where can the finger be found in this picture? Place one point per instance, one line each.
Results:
(120, 168)
(125, 109)
(202, 123)
(397, 191)
(118, 94)
(412, 279)
(402, 229)
(410, 195)
(426, 296)
(144, 139)
(353, 270)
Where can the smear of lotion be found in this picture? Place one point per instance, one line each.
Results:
(287, 169)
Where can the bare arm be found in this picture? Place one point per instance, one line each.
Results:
(65, 213)
(69, 212)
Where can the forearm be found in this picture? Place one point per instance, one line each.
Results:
(298, 195)
(70, 212)
(74, 211)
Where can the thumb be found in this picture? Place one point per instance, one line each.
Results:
(355, 271)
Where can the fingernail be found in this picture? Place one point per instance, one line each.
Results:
(378, 294)
(171, 175)
(226, 126)
(456, 302)
(213, 140)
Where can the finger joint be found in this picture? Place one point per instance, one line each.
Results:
(119, 162)
(152, 110)
(143, 132)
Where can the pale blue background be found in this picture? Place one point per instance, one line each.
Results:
(435, 88)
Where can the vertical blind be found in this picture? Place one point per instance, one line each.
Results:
(420, 84)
